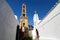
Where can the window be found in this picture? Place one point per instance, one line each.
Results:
(23, 6)
(23, 14)
(23, 10)
(23, 24)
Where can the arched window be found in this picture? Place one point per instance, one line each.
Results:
(23, 24)
(23, 6)
(24, 15)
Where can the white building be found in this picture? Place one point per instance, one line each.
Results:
(8, 22)
(36, 21)
(49, 27)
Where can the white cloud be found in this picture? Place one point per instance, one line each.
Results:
(15, 16)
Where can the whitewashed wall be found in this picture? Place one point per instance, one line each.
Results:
(8, 22)
(36, 21)
(49, 28)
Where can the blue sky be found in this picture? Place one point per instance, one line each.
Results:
(41, 6)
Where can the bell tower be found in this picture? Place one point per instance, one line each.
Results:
(23, 18)
(24, 10)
